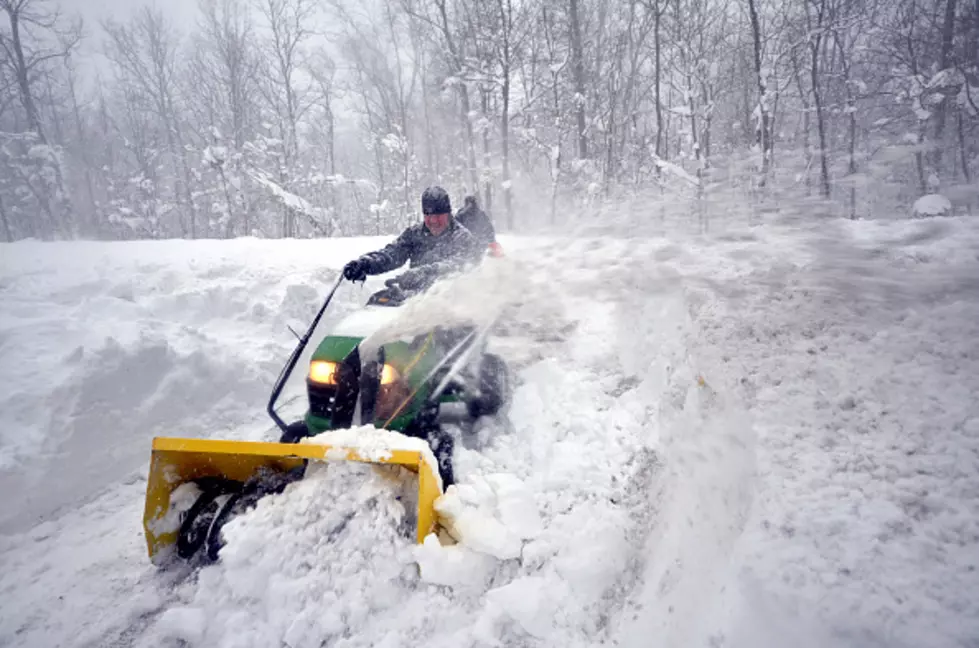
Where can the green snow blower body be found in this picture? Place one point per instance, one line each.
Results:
(406, 384)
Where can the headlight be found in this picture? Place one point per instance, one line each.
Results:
(323, 372)
(393, 396)
(389, 375)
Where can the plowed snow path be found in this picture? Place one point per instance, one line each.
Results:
(574, 462)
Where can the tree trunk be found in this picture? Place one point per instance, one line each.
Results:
(505, 146)
(815, 45)
(919, 158)
(487, 183)
(458, 56)
(609, 133)
(506, 10)
(470, 137)
(6, 224)
(820, 119)
(963, 150)
(83, 149)
(851, 109)
(806, 123)
(658, 77)
(948, 33)
(431, 155)
(764, 136)
(578, 67)
(708, 101)
(21, 72)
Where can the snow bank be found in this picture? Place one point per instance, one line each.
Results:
(105, 345)
(854, 359)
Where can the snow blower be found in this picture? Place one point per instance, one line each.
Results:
(401, 388)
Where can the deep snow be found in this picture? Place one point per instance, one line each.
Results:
(764, 436)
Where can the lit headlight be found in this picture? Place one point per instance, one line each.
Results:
(389, 375)
(323, 372)
(393, 395)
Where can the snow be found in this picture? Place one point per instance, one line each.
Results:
(950, 77)
(675, 170)
(181, 499)
(365, 322)
(476, 298)
(490, 515)
(214, 155)
(107, 345)
(761, 437)
(374, 444)
(319, 215)
(932, 205)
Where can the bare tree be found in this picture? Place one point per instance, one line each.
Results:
(578, 67)
(944, 63)
(764, 128)
(28, 46)
(226, 70)
(817, 20)
(289, 23)
(144, 52)
(38, 36)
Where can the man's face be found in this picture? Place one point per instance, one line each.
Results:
(437, 223)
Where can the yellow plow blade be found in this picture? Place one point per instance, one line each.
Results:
(178, 461)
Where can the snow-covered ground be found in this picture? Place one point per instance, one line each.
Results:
(764, 436)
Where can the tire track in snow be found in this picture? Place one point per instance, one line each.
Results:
(706, 446)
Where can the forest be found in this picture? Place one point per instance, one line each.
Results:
(311, 118)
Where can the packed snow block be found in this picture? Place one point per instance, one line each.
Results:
(491, 515)
(453, 565)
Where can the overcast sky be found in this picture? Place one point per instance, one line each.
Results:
(181, 13)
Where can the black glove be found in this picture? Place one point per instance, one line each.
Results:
(356, 270)
(414, 279)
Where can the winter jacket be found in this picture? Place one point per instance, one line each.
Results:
(430, 256)
(476, 221)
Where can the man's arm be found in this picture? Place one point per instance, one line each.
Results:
(463, 250)
(391, 256)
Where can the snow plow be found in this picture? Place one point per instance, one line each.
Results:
(371, 397)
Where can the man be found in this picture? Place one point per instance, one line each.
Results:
(476, 221)
(436, 247)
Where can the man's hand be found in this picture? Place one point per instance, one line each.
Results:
(414, 279)
(356, 270)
